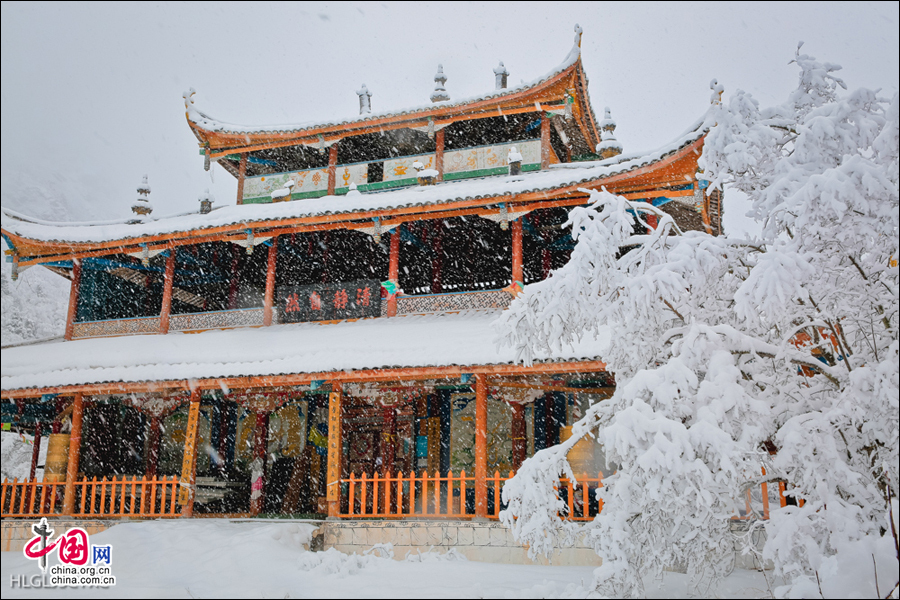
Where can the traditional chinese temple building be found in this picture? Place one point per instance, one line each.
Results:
(323, 345)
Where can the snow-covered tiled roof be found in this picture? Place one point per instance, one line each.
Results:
(208, 123)
(463, 339)
(560, 175)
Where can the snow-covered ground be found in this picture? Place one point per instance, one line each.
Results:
(209, 558)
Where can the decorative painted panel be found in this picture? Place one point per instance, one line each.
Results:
(347, 174)
(453, 302)
(310, 180)
(490, 157)
(116, 327)
(213, 320)
(401, 168)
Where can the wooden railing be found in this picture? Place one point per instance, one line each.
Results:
(103, 498)
(450, 496)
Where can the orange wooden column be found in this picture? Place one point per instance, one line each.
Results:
(519, 443)
(517, 270)
(545, 141)
(74, 455)
(480, 446)
(189, 460)
(439, 154)
(270, 282)
(260, 451)
(394, 271)
(168, 282)
(73, 298)
(242, 173)
(333, 473)
(332, 167)
(153, 448)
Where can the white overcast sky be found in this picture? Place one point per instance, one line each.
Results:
(91, 93)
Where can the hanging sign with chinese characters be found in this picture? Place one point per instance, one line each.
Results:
(330, 302)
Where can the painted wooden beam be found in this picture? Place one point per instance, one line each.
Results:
(439, 154)
(332, 167)
(168, 282)
(357, 376)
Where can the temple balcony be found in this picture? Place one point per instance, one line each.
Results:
(255, 317)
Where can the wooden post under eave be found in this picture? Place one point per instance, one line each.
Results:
(332, 168)
(519, 442)
(168, 282)
(35, 450)
(270, 282)
(333, 472)
(73, 298)
(480, 447)
(394, 271)
(74, 455)
(517, 272)
(242, 173)
(545, 141)
(439, 154)
(153, 448)
(437, 260)
(260, 450)
(187, 493)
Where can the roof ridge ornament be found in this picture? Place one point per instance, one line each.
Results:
(578, 32)
(718, 89)
(189, 98)
(365, 100)
(609, 146)
(440, 92)
(142, 207)
(500, 77)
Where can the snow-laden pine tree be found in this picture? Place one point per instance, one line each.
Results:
(734, 355)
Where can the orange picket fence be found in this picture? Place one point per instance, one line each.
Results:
(450, 496)
(96, 498)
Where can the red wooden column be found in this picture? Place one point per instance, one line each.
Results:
(332, 168)
(73, 298)
(153, 448)
(545, 141)
(517, 270)
(35, 450)
(480, 446)
(394, 271)
(242, 173)
(260, 451)
(74, 455)
(270, 282)
(439, 154)
(519, 443)
(437, 261)
(335, 444)
(187, 491)
(168, 282)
